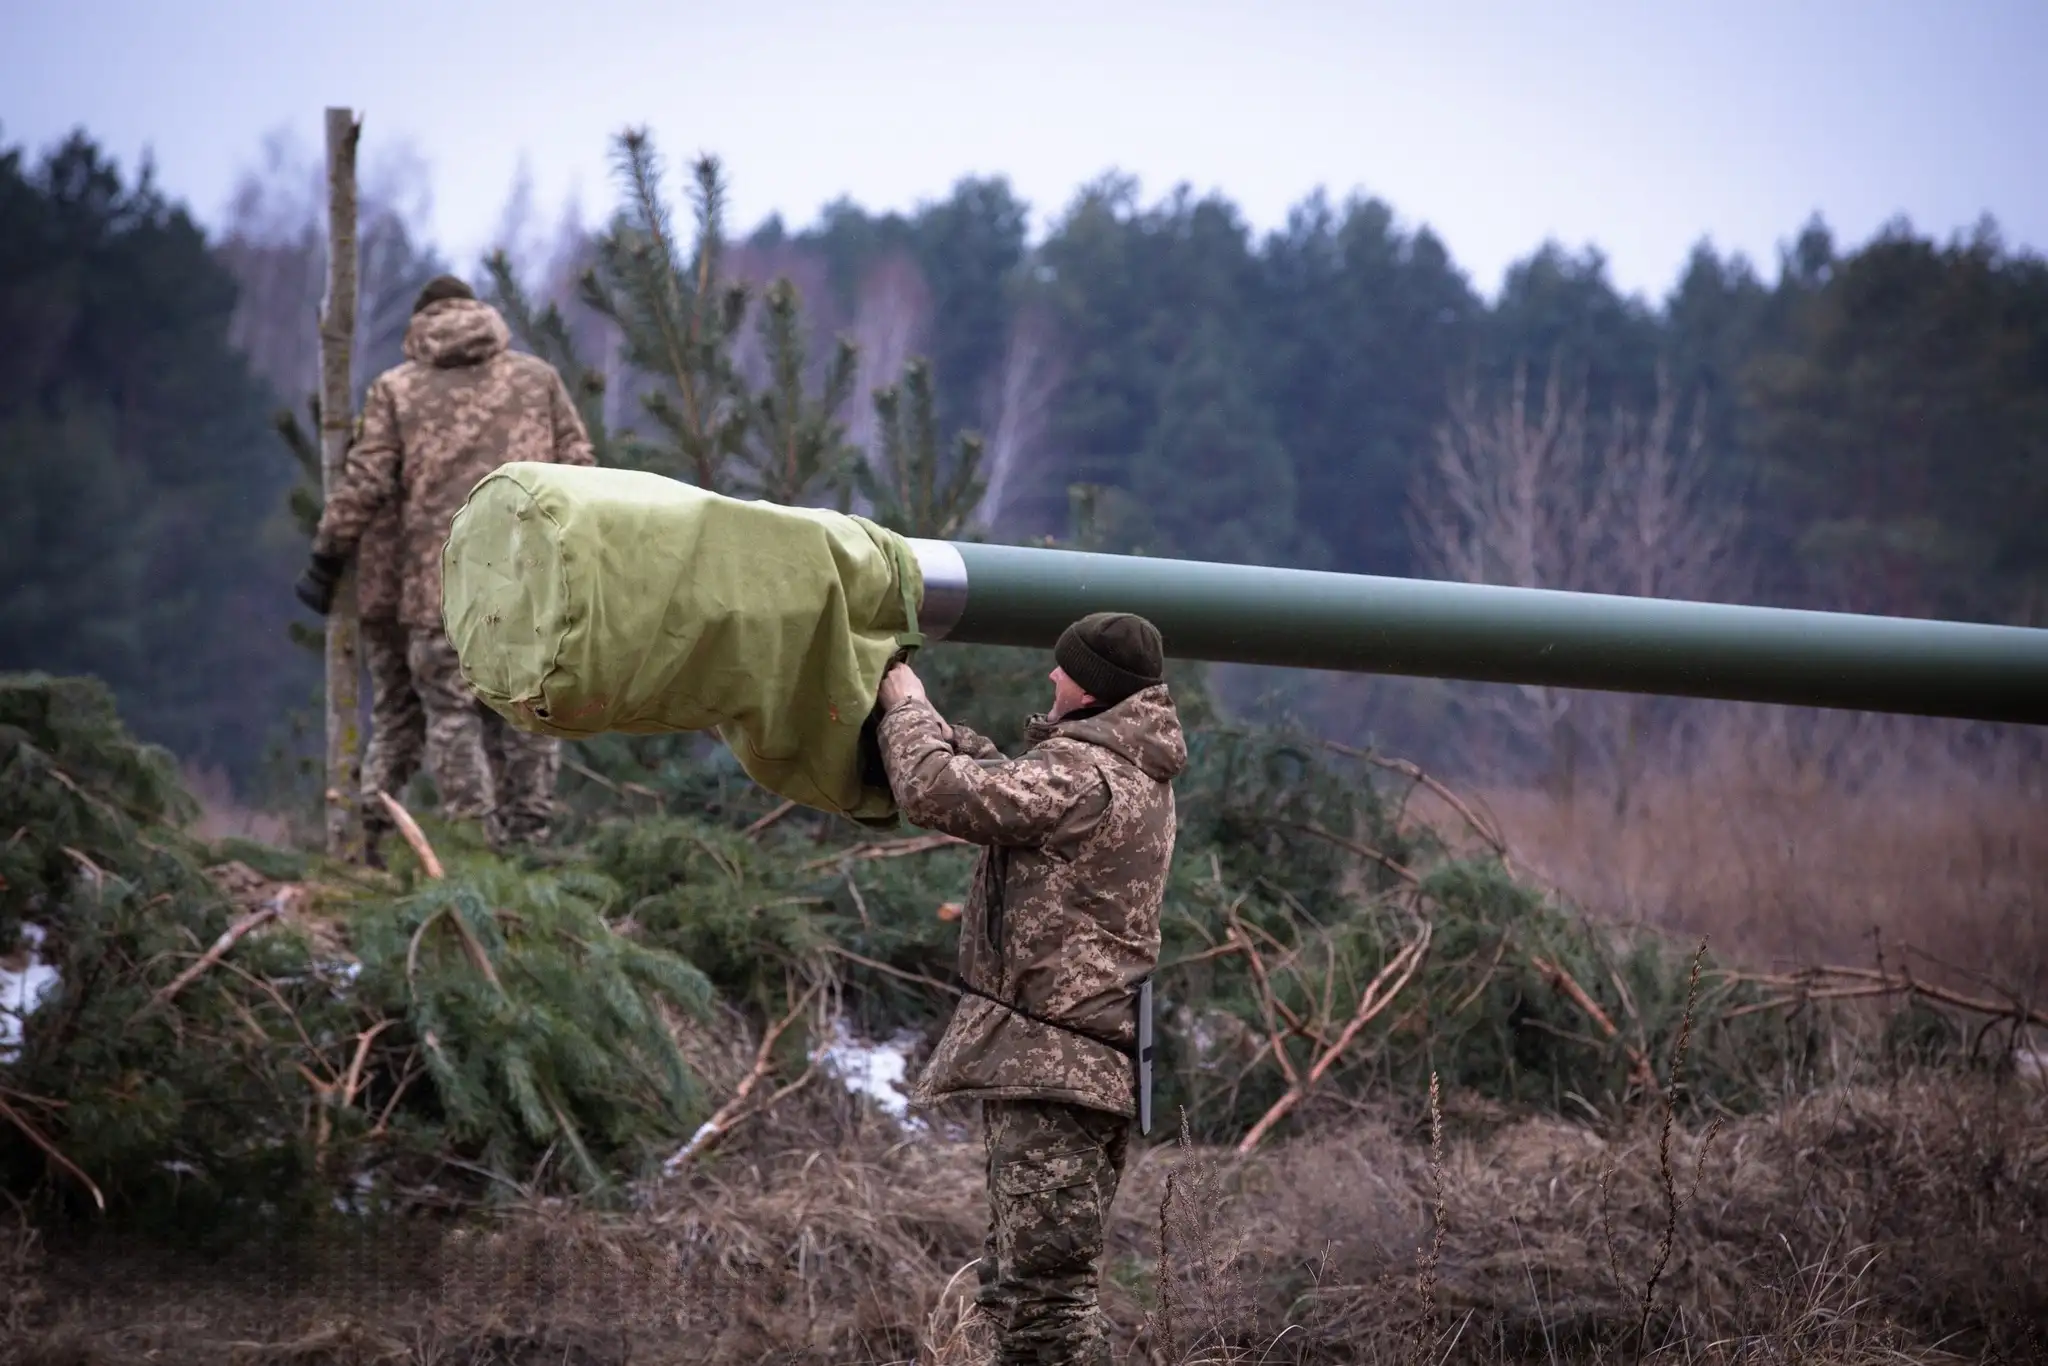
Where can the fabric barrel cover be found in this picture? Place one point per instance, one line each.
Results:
(582, 600)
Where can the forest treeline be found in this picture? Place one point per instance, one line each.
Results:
(1861, 427)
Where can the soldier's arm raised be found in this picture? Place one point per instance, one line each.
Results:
(983, 801)
(972, 743)
(369, 481)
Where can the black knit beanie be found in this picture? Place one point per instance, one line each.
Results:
(1111, 655)
(442, 287)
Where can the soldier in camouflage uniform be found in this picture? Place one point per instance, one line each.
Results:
(462, 404)
(1060, 927)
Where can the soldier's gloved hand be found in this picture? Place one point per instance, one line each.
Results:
(316, 586)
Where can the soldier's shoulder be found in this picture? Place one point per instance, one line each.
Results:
(526, 366)
(400, 377)
(1069, 754)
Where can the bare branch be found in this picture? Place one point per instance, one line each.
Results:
(734, 1110)
(227, 940)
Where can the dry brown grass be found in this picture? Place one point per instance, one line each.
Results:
(1781, 866)
(1882, 1224)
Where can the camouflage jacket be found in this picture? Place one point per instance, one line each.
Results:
(460, 405)
(1063, 917)
(378, 582)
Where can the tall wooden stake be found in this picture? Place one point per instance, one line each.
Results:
(337, 408)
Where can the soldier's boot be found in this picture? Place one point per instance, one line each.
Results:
(1054, 1170)
(454, 729)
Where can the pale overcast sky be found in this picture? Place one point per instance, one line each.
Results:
(1638, 127)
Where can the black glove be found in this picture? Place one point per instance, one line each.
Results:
(316, 586)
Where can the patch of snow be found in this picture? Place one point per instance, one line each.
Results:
(22, 992)
(876, 1070)
(357, 1204)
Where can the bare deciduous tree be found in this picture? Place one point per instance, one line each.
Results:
(517, 235)
(1529, 497)
(1501, 502)
(274, 244)
(1020, 412)
(890, 323)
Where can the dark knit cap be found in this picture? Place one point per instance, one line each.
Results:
(442, 287)
(1111, 655)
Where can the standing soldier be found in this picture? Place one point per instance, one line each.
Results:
(1061, 927)
(460, 405)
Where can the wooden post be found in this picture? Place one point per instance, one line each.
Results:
(337, 409)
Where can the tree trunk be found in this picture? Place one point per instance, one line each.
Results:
(337, 409)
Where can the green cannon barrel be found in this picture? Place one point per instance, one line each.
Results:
(1012, 595)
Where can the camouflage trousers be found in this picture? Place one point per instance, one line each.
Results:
(398, 725)
(1053, 1170)
(484, 768)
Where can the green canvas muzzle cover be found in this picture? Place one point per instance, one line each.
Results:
(583, 601)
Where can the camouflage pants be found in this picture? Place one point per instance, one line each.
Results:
(398, 724)
(468, 745)
(1052, 1171)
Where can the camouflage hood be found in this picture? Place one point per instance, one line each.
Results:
(456, 332)
(1062, 921)
(1143, 729)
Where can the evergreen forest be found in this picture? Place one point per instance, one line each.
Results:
(1855, 426)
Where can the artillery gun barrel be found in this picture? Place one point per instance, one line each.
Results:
(1354, 623)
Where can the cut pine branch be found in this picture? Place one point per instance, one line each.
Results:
(414, 836)
(1377, 996)
(228, 939)
(734, 1110)
(1844, 983)
(917, 844)
(773, 816)
(1487, 831)
(1563, 982)
(51, 1151)
(1349, 845)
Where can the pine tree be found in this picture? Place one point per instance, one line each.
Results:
(677, 316)
(680, 319)
(796, 449)
(912, 488)
(1213, 476)
(138, 487)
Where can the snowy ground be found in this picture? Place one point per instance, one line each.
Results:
(875, 1070)
(871, 1069)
